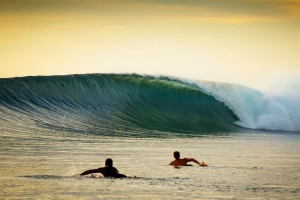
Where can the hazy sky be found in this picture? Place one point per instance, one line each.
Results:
(237, 41)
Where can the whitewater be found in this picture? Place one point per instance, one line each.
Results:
(53, 127)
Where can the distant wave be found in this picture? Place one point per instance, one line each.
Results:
(120, 104)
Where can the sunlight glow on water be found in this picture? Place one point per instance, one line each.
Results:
(240, 166)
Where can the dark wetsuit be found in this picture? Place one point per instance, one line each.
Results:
(106, 172)
(113, 172)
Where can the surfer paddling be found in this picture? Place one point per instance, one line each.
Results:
(183, 161)
(107, 171)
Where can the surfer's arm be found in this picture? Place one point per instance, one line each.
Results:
(99, 170)
(192, 160)
(196, 161)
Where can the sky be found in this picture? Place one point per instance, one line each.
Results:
(249, 42)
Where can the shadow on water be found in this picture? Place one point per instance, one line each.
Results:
(45, 176)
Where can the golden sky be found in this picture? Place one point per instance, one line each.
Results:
(237, 41)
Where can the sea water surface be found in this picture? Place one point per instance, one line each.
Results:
(55, 127)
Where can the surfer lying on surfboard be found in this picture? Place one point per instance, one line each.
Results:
(183, 161)
(107, 171)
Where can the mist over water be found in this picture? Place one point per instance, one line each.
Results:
(280, 104)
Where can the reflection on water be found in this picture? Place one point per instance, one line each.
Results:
(240, 166)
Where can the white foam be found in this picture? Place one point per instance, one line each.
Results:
(256, 110)
(279, 113)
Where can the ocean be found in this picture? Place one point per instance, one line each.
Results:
(53, 127)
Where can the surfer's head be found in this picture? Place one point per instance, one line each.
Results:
(176, 155)
(109, 162)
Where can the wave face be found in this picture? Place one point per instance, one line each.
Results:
(127, 105)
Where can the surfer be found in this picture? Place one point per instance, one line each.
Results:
(107, 171)
(183, 161)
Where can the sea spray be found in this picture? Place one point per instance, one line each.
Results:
(276, 110)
